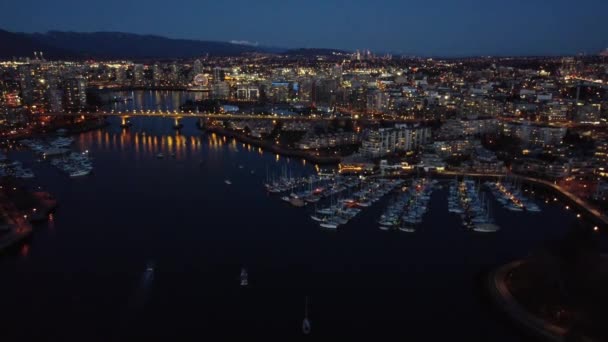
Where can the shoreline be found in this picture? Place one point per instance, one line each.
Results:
(14, 238)
(70, 128)
(504, 300)
(321, 160)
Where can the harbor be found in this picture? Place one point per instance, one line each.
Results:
(194, 217)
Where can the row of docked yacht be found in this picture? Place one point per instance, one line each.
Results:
(315, 188)
(466, 199)
(510, 196)
(75, 164)
(53, 147)
(287, 182)
(407, 210)
(15, 169)
(342, 211)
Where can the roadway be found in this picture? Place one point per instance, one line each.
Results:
(180, 115)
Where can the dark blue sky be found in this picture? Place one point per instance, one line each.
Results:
(439, 27)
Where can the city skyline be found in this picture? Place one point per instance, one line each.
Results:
(288, 170)
(469, 28)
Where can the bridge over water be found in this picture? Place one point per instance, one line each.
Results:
(181, 114)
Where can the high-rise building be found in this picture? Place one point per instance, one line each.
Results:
(75, 93)
(121, 75)
(218, 74)
(157, 75)
(54, 95)
(389, 140)
(174, 74)
(377, 101)
(220, 90)
(138, 75)
(247, 92)
(33, 86)
(197, 68)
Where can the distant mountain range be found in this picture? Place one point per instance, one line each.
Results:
(118, 45)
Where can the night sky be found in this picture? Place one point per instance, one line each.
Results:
(428, 28)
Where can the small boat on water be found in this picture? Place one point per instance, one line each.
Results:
(329, 225)
(486, 228)
(149, 272)
(317, 218)
(80, 172)
(297, 202)
(244, 277)
(306, 322)
(160, 156)
(228, 182)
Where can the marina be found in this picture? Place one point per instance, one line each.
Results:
(280, 244)
(59, 153)
(468, 201)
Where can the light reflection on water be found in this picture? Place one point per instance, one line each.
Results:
(200, 232)
(146, 144)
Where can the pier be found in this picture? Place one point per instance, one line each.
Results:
(577, 202)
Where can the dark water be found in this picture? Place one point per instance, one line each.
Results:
(83, 277)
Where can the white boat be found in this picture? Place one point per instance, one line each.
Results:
(306, 322)
(160, 156)
(297, 202)
(512, 207)
(317, 218)
(79, 172)
(228, 182)
(407, 229)
(329, 225)
(486, 228)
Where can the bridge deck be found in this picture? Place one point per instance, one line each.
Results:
(180, 115)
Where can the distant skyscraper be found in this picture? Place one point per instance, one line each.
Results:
(220, 90)
(54, 95)
(174, 74)
(336, 72)
(157, 75)
(218, 74)
(197, 68)
(121, 75)
(138, 75)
